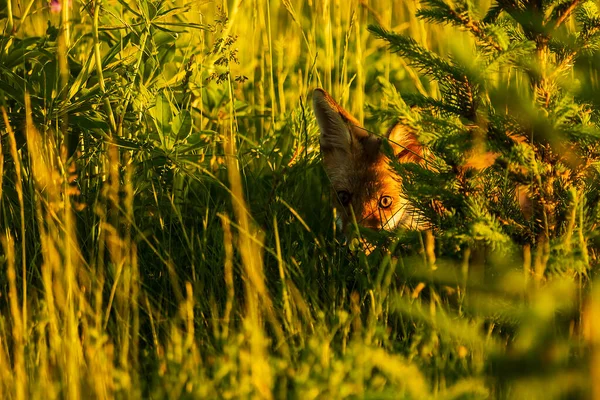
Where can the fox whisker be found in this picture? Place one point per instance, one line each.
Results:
(414, 153)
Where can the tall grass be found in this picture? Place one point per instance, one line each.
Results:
(167, 232)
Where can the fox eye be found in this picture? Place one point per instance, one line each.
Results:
(344, 197)
(385, 201)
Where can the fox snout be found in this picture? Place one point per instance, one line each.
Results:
(365, 187)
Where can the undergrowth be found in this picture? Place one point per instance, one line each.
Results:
(166, 225)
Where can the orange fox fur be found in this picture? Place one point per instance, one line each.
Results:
(364, 184)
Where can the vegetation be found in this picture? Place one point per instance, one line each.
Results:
(166, 228)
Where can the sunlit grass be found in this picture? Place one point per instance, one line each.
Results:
(167, 232)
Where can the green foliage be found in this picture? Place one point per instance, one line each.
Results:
(539, 146)
(166, 228)
(513, 143)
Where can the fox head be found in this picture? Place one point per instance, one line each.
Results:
(364, 184)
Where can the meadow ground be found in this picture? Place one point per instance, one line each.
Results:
(167, 230)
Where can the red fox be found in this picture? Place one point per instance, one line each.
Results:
(365, 186)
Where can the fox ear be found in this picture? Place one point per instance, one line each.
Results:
(336, 124)
(405, 144)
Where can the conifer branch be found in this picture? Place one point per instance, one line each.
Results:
(485, 117)
(563, 12)
(426, 61)
(460, 89)
(442, 12)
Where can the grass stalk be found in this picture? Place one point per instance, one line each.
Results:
(98, 57)
(19, 189)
